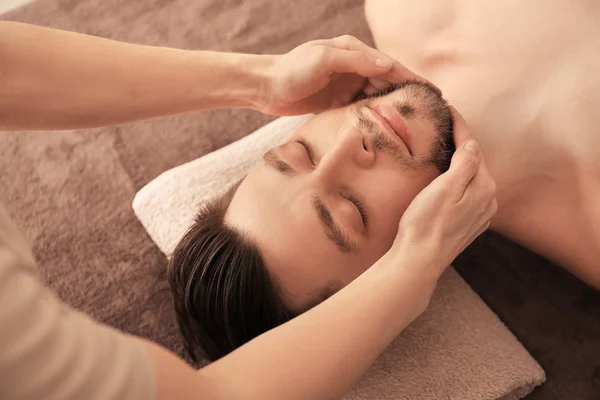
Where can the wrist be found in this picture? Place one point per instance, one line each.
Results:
(229, 80)
(407, 282)
(253, 77)
(421, 265)
(425, 248)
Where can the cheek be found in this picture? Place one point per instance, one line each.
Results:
(389, 202)
(391, 196)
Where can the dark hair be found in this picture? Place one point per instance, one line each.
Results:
(223, 293)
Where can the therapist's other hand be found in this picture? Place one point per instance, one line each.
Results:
(323, 74)
(450, 213)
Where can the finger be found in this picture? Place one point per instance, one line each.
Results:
(392, 71)
(482, 186)
(461, 130)
(347, 90)
(380, 84)
(349, 42)
(399, 73)
(463, 168)
(350, 62)
(370, 89)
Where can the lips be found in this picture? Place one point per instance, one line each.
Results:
(392, 122)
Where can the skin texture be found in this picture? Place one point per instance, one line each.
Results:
(351, 160)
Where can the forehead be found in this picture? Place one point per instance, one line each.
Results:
(286, 228)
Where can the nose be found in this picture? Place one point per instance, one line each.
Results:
(350, 152)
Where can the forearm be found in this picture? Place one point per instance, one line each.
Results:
(51, 79)
(322, 353)
(318, 355)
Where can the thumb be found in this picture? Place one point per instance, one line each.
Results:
(355, 62)
(464, 166)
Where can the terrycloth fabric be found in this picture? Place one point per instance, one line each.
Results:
(457, 350)
(167, 205)
(70, 192)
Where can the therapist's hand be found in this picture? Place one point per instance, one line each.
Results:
(453, 210)
(324, 74)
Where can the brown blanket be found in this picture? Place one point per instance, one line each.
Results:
(71, 191)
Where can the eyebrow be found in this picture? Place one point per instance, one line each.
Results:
(333, 231)
(274, 161)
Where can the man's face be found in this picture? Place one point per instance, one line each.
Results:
(325, 206)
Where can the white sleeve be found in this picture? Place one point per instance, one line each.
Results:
(50, 351)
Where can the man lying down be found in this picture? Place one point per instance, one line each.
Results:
(320, 209)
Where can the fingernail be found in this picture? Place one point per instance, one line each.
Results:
(381, 63)
(472, 147)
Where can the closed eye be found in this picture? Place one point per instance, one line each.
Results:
(360, 207)
(309, 150)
